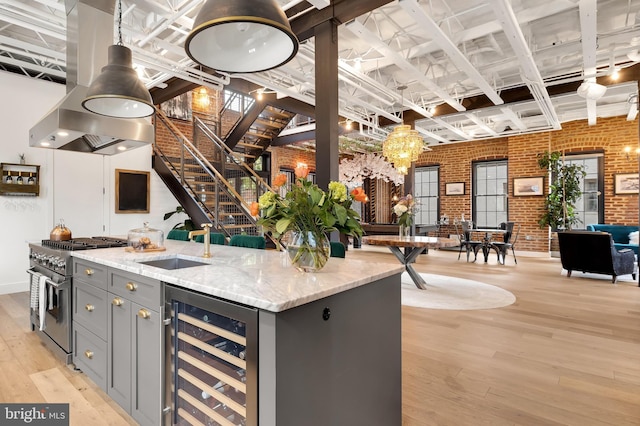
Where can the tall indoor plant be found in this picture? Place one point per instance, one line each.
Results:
(564, 191)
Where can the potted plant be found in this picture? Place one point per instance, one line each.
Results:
(564, 191)
(187, 225)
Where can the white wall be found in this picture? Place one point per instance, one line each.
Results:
(76, 187)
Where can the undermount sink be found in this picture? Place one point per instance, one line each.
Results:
(173, 263)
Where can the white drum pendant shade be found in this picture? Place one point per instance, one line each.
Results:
(241, 36)
(117, 91)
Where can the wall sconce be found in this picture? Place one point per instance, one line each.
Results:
(627, 151)
(202, 98)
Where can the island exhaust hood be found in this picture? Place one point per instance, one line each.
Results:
(68, 125)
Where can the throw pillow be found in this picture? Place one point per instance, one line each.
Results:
(633, 238)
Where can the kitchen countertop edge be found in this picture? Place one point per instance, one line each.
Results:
(264, 279)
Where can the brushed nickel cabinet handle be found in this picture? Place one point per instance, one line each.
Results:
(132, 286)
(88, 354)
(144, 314)
(116, 301)
(89, 307)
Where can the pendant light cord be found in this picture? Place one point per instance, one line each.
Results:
(120, 23)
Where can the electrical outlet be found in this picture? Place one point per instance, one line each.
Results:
(528, 237)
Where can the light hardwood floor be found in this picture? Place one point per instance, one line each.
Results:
(566, 353)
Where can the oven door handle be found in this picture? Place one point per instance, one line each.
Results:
(49, 281)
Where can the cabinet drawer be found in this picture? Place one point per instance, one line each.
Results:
(90, 355)
(90, 308)
(141, 290)
(89, 272)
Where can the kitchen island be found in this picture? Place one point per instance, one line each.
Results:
(314, 348)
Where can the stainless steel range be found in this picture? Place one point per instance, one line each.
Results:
(50, 273)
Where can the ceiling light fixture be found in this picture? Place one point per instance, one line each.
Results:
(403, 145)
(591, 90)
(117, 91)
(241, 36)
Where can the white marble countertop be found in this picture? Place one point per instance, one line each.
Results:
(264, 279)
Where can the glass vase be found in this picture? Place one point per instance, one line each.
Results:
(308, 251)
(404, 231)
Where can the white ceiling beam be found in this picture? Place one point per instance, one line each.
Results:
(29, 49)
(34, 67)
(588, 27)
(430, 134)
(531, 73)
(359, 30)
(430, 27)
(513, 117)
(165, 23)
(481, 124)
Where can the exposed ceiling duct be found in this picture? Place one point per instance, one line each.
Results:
(68, 126)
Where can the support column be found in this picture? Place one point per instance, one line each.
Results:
(326, 59)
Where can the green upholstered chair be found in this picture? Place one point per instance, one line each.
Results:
(178, 234)
(214, 238)
(337, 249)
(250, 241)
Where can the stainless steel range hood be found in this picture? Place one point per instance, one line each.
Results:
(68, 126)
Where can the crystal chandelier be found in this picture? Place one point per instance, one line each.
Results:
(403, 145)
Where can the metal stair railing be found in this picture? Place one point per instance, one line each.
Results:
(227, 160)
(203, 181)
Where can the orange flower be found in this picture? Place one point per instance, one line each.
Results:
(280, 180)
(255, 209)
(301, 170)
(359, 195)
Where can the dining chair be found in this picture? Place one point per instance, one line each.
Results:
(337, 249)
(464, 234)
(178, 234)
(214, 238)
(508, 242)
(249, 241)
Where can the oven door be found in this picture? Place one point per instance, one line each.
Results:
(55, 291)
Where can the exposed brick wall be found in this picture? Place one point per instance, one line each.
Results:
(609, 136)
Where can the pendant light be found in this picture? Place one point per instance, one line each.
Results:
(403, 145)
(241, 36)
(117, 91)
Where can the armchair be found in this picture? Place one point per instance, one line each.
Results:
(593, 251)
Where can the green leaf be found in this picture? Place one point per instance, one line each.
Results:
(283, 225)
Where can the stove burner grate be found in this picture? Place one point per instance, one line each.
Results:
(85, 243)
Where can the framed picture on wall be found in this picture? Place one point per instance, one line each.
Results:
(626, 183)
(132, 191)
(454, 188)
(528, 186)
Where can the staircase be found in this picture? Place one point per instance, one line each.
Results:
(211, 182)
(256, 124)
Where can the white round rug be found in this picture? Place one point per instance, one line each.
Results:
(445, 292)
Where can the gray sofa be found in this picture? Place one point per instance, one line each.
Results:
(595, 252)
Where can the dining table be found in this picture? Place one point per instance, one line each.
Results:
(487, 238)
(407, 249)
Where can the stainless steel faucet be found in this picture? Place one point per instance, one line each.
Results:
(207, 238)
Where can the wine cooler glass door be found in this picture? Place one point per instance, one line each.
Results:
(214, 359)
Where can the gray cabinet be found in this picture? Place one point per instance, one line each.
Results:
(134, 344)
(90, 320)
(117, 336)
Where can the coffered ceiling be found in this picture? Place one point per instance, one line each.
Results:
(462, 69)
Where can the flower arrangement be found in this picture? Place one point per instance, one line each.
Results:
(405, 210)
(310, 211)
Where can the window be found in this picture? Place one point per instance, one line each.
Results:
(489, 204)
(589, 207)
(237, 101)
(291, 178)
(426, 194)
